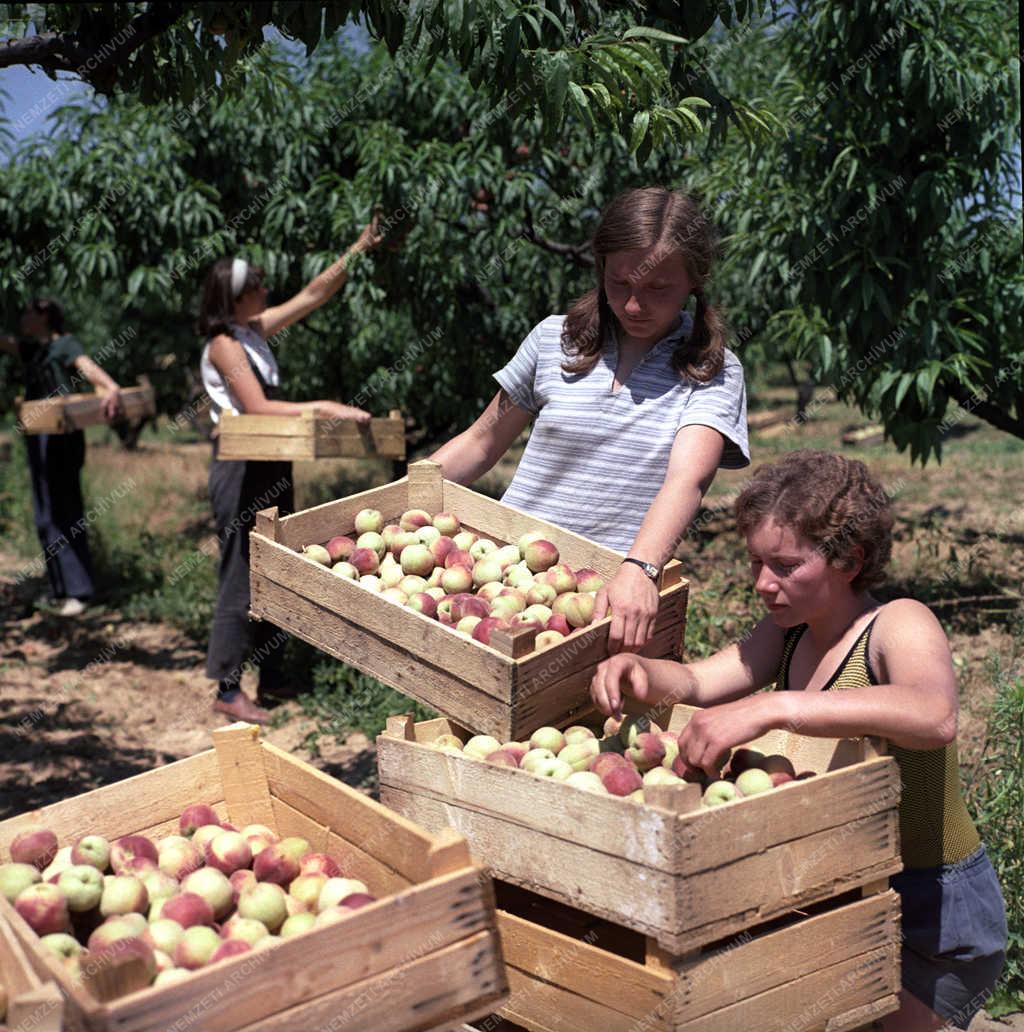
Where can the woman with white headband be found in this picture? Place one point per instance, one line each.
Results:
(240, 374)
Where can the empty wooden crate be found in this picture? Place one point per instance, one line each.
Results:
(507, 689)
(65, 413)
(682, 874)
(426, 955)
(306, 437)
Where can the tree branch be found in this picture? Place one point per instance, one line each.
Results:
(984, 409)
(578, 253)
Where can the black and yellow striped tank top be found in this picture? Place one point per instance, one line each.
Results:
(935, 827)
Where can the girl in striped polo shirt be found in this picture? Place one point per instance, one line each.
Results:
(843, 664)
(635, 402)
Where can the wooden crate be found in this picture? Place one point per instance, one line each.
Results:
(832, 968)
(32, 1002)
(506, 689)
(306, 437)
(65, 413)
(425, 956)
(675, 871)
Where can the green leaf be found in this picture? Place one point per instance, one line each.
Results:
(646, 32)
(641, 121)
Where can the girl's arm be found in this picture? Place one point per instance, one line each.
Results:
(631, 595)
(102, 381)
(916, 707)
(231, 361)
(319, 290)
(472, 453)
(732, 673)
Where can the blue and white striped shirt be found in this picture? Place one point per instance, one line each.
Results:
(596, 459)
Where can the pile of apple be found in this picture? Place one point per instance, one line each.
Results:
(472, 584)
(632, 754)
(178, 903)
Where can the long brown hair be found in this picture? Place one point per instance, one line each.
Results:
(216, 310)
(640, 219)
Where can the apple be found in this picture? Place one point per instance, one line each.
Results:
(527, 539)
(195, 817)
(588, 781)
(719, 792)
(306, 889)
(230, 948)
(440, 549)
(365, 561)
(15, 878)
(35, 845)
(228, 852)
(428, 535)
(416, 559)
(356, 900)
(164, 935)
(661, 776)
(482, 548)
(368, 521)
(114, 929)
(467, 625)
(345, 569)
(61, 862)
(577, 608)
(464, 540)
(198, 944)
(446, 522)
(671, 744)
(371, 583)
(335, 890)
(540, 555)
(580, 754)
(507, 556)
(319, 863)
(214, 887)
(754, 781)
(259, 836)
(82, 884)
(482, 631)
(240, 880)
(400, 539)
(541, 595)
(560, 577)
(373, 541)
(620, 779)
(578, 733)
(264, 902)
(745, 759)
(555, 769)
(412, 585)
(540, 614)
(394, 595)
(535, 757)
(139, 866)
(413, 519)
(205, 834)
(424, 602)
(517, 749)
(435, 591)
(44, 908)
(589, 580)
(447, 741)
(60, 944)
(339, 548)
(188, 909)
(548, 738)
(490, 591)
(297, 924)
(457, 579)
(547, 638)
(503, 758)
(318, 554)
(521, 578)
(558, 624)
(171, 977)
(390, 574)
(280, 862)
(459, 557)
(245, 929)
(481, 746)
(508, 604)
(646, 751)
(123, 894)
(780, 777)
(180, 859)
(93, 850)
(485, 571)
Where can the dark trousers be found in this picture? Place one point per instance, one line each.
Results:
(238, 490)
(55, 462)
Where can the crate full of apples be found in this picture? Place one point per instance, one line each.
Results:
(608, 819)
(471, 607)
(139, 912)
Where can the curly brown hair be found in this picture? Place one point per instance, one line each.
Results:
(833, 502)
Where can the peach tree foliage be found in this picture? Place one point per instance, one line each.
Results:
(123, 209)
(878, 234)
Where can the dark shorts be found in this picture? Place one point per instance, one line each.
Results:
(954, 935)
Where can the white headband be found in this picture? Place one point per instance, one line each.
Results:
(239, 271)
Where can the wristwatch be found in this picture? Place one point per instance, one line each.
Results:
(650, 569)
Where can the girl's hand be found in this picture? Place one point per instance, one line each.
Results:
(372, 236)
(633, 600)
(335, 410)
(615, 677)
(705, 742)
(111, 404)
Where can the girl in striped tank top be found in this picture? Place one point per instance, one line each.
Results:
(842, 664)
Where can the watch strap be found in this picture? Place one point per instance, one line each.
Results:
(649, 568)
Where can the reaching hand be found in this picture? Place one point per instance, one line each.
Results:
(616, 677)
(372, 235)
(111, 405)
(633, 600)
(335, 410)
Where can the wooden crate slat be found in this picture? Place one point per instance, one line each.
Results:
(608, 825)
(860, 1018)
(398, 843)
(398, 625)
(63, 413)
(242, 775)
(582, 967)
(325, 521)
(264, 448)
(307, 436)
(32, 1002)
(598, 882)
(378, 658)
(124, 807)
(432, 918)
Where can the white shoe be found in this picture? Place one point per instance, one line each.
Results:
(71, 607)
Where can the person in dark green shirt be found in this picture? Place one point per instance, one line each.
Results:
(54, 363)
